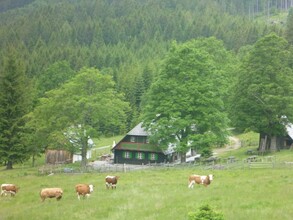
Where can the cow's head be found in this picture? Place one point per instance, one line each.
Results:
(91, 188)
(210, 177)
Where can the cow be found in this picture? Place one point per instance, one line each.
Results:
(111, 181)
(204, 180)
(7, 188)
(51, 193)
(83, 190)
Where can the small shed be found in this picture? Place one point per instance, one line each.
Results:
(58, 157)
(135, 148)
(277, 142)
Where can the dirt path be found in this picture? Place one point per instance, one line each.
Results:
(234, 143)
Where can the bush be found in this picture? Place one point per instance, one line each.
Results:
(205, 212)
(206, 153)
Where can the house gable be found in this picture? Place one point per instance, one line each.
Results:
(135, 148)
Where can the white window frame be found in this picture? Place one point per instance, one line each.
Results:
(139, 155)
(127, 154)
(153, 156)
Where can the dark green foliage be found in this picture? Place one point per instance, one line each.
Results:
(185, 103)
(6, 5)
(126, 40)
(206, 153)
(127, 36)
(53, 77)
(205, 212)
(263, 94)
(85, 106)
(15, 103)
(289, 27)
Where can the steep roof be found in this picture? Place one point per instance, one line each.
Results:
(138, 130)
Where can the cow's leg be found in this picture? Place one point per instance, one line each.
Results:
(191, 184)
(78, 196)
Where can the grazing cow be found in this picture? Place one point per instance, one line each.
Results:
(83, 190)
(204, 180)
(111, 181)
(51, 193)
(7, 188)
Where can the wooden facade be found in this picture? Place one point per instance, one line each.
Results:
(135, 148)
(58, 157)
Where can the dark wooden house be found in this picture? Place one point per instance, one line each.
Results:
(135, 148)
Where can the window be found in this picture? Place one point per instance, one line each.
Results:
(132, 139)
(140, 155)
(147, 140)
(153, 156)
(127, 154)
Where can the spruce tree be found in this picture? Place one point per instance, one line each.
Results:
(289, 27)
(14, 104)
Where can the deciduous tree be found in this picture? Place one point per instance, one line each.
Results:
(184, 105)
(263, 94)
(87, 105)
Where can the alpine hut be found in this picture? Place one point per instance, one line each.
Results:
(135, 148)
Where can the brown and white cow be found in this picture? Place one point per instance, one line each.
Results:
(111, 181)
(84, 190)
(204, 180)
(51, 193)
(7, 188)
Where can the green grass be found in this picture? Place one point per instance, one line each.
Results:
(103, 145)
(153, 194)
(106, 141)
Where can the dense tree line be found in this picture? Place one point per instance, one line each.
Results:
(116, 35)
(60, 43)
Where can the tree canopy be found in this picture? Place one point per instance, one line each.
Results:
(184, 105)
(86, 105)
(263, 93)
(15, 102)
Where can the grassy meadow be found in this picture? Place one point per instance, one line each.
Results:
(153, 194)
(157, 193)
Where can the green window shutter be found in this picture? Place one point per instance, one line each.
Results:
(153, 156)
(124, 154)
(137, 154)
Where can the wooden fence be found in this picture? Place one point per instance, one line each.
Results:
(116, 168)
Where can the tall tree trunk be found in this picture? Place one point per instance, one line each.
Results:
(33, 160)
(84, 152)
(273, 144)
(182, 157)
(9, 165)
